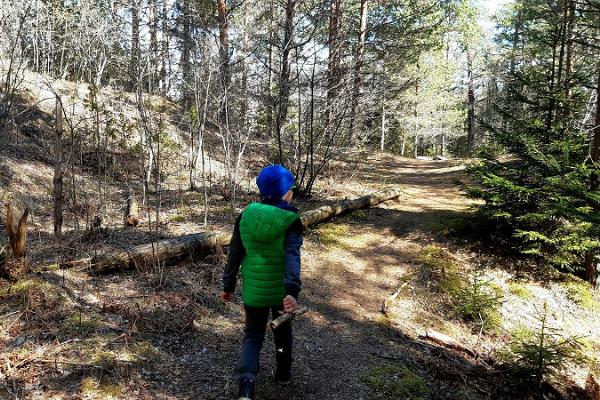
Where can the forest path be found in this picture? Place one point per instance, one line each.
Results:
(352, 265)
(163, 334)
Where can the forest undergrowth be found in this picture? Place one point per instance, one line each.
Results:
(163, 333)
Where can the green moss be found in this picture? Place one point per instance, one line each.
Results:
(26, 284)
(88, 385)
(383, 321)
(97, 389)
(177, 218)
(394, 382)
(146, 351)
(520, 289)
(79, 324)
(437, 266)
(332, 234)
(581, 293)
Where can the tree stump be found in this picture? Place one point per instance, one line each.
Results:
(131, 217)
(17, 237)
(592, 388)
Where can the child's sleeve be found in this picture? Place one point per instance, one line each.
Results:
(293, 242)
(234, 259)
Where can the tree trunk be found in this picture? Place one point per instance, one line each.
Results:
(552, 84)
(591, 268)
(269, 97)
(333, 76)
(131, 217)
(17, 238)
(134, 57)
(58, 171)
(164, 73)
(362, 34)
(570, 53)
(382, 145)
(198, 245)
(153, 46)
(416, 113)
(470, 103)
(185, 64)
(224, 59)
(284, 77)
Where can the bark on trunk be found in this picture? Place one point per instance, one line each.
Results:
(153, 45)
(591, 269)
(186, 68)
(17, 238)
(470, 104)
(592, 388)
(134, 58)
(198, 245)
(58, 171)
(362, 34)
(224, 59)
(333, 75)
(570, 53)
(284, 77)
(164, 73)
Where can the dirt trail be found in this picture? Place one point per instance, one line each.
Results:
(190, 341)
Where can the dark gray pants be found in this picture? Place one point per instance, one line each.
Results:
(254, 336)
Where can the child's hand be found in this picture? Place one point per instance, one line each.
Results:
(226, 296)
(289, 304)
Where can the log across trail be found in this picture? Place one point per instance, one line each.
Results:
(197, 245)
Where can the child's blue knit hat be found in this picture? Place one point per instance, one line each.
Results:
(274, 181)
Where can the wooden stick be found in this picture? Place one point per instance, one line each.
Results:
(449, 342)
(286, 317)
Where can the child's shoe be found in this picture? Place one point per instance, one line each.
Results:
(283, 377)
(246, 389)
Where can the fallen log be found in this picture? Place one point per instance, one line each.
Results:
(168, 251)
(199, 245)
(325, 213)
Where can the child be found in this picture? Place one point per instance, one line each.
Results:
(266, 244)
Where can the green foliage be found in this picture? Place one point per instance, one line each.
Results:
(536, 355)
(538, 199)
(478, 301)
(473, 299)
(394, 382)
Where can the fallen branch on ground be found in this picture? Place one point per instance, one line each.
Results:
(450, 342)
(199, 245)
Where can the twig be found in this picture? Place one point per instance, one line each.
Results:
(286, 317)
(386, 302)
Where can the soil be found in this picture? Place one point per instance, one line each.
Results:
(164, 334)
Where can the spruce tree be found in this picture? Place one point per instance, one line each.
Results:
(538, 196)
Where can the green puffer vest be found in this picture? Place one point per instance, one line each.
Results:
(262, 228)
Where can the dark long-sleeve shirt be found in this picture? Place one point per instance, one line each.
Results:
(292, 244)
